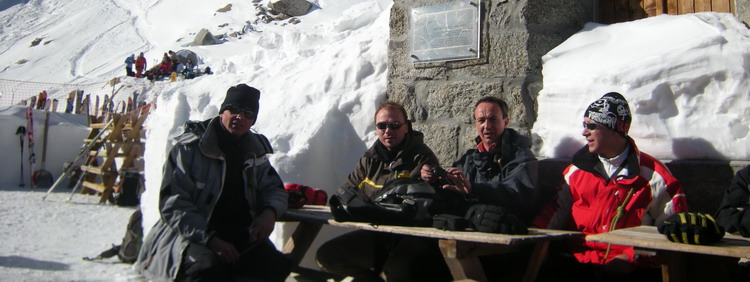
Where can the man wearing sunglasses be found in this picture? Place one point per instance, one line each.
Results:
(219, 201)
(611, 185)
(399, 152)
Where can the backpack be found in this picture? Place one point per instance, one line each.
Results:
(401, 201)
(128, 192)
(131, 242)
(127, 252)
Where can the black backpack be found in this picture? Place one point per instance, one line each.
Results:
(130, 190)
(127, 252)
(401, 201)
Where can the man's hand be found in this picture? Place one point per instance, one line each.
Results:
(226, 252)
(462, 184)
(427, 175)
(263, 225)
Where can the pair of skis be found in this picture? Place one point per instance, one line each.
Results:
(29, 132)
(42, 177)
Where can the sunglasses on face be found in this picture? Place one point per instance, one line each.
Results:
(392, 125)
(590, 125)
(245, 113)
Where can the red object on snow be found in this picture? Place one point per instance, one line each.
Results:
(299, 195)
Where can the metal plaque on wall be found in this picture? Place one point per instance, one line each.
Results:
(445, 32)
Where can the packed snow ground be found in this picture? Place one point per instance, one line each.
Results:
(321, 81)
(46, 240)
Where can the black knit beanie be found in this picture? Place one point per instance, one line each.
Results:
(611, 110)
(242, 97)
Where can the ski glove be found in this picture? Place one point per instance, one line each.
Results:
(691, 228)
(299, 195)
(494, 219)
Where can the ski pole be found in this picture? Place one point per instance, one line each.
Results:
(21, 131)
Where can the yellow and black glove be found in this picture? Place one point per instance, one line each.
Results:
(691, 228)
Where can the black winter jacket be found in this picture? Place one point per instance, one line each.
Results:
(734, 211)
(506, 177)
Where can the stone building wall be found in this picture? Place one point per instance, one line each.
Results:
(742, 10)
(439, 96)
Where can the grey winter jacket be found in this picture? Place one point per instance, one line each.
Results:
(192, 182)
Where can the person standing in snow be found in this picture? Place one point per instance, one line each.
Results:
(219, 200)
(140, 65)
(129, 61)
(610, 185)
(399, 152)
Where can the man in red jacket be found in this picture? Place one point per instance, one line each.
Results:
(611, 185)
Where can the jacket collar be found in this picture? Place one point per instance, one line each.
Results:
(413, 139)
(504, 151)
(588, 161)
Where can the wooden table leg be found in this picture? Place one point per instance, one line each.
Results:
(461, 267)
(672, 266)
(535, 262)
(300, 241)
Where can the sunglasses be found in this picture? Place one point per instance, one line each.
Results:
(245, 113)
(590, 125)
(392, 125)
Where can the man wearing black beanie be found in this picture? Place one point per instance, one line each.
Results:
(219, 200)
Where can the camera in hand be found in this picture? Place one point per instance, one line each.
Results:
(440, 172)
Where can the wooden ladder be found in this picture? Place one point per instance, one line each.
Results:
(122, 139)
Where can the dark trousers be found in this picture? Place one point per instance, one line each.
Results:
(365, 254)
(262, 263)
(564, 267)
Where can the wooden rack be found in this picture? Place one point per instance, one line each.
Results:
(121, 139)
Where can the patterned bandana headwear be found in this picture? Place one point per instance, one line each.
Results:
(611, 110)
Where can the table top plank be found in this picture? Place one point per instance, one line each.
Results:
(322, 214)
(647, 237)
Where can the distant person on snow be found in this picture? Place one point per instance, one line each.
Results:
(188, 70)
(174, 59)
(216, 228)
(165, 68)
(140, 65)
(129, 61)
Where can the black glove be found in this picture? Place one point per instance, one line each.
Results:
(449, 222)
(493, 219)
(691, 228)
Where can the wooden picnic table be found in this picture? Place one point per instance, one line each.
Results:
(674, 255)
(461, 249)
